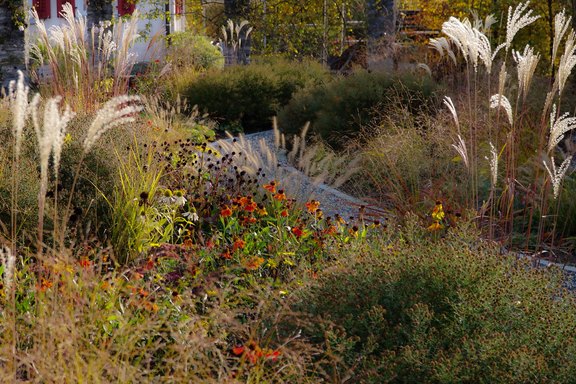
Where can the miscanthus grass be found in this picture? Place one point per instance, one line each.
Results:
(50, 121)
(472, 44)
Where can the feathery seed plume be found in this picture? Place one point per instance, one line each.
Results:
(558, 127)
(460, 147)
(493, 165)
(518, 20)
(8, 260)
(442, 44)
(19, 102)
(561, 25)
(448, 102)
(567, 61)
(117, 111)
(527, 63)
(556, 175)
(497, 101)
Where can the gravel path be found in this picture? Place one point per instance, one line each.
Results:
(263, 154)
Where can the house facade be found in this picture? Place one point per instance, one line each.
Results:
(158, 18)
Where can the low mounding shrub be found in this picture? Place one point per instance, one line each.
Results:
(416, 308)
(339, 109)
(247, 97)
(191, 50)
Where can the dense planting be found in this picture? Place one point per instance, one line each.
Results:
(134, 248)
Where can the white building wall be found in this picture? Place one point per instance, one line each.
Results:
(150, 48)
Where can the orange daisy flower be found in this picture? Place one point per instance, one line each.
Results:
(271, 187)
(238, 244)
(253, 263)
(85, 263)
(280, 196)
(297, 231)
(238, 350)
(226, 211)
(312, 206)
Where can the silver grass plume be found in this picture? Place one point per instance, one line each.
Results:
(19, 103)
(448, 102)
(117, 111)
(500, 101)
(567, 61)
(460, 147)
(8, 260)
(424, 67)
(527, 63)
(442, 44)
(558, 127)
(50, 134)
(517, 20)
(472, 42)
(493, 165)
(461, 33)
(561, 25)
(556, 175)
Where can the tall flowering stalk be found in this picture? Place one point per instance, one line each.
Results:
(18, 96)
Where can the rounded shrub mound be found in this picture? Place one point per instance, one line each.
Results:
(190, 50)
(419, 309)
(339, 109)
(247, 97)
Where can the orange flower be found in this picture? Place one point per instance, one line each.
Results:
(249, 220)
(45, 285)
(273, 355)
(280, 196)
(149, 264)
(253, 263)
(262, 210)
(312, 206)
(238, 350)
(226, 254)
(85, 262)
(284, 213)
(250, 206)
(238, 244)
(435, 226)
(271, 187)
(297, 231)
(225, 211)
(331, 230)
(244, 200)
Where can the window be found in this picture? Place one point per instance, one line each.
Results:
(179, 7)
(43, 8)
(60, 4)
(126, 7)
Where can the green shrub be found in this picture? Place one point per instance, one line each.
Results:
(339, 109)
(197, 51)
(249, 96)
(414, 309)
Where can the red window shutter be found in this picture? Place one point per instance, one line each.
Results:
(60, 4)
(126, 7)
(179, 7)
(43, 8)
